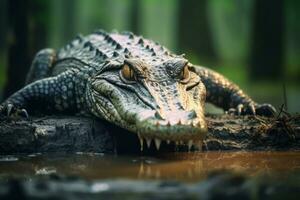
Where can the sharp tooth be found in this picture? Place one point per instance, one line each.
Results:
(168, 141)
(141, 141)
(148, 141)
(157, 143)
(195, 124)
(190, 144)
(199, 145)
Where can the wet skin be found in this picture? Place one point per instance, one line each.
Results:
(132, 82)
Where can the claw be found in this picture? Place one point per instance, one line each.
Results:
(239, 109)
(252, 109)
(9, 109)
(24, 113)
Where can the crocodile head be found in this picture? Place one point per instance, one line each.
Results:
(160, 101)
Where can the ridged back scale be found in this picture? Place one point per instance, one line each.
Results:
(95, 49)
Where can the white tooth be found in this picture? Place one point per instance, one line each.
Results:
(148, 141)
(168, 141)
(199, 145)
(190, 144)
(195, 124)
(141, 141)
(176, 143)
(157, 143)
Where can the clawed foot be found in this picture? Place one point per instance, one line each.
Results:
(10, 110)
(253, 109)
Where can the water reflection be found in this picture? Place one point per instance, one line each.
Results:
(178, 166)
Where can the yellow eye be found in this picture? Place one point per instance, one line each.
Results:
(185, 73)
(128, 73)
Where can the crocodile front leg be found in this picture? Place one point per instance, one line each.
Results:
(41, 65)
(48, 94)
(227, 95)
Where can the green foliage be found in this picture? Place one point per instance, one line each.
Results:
(292, 39)
(231, 27)
(2, 68)
(159, 21)
(230, 24)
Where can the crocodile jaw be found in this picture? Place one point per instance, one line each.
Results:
(189, 132)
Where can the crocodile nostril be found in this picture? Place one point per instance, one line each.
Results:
(192, 114)
(157, 115)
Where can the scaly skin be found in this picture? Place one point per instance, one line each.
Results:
(131, 82)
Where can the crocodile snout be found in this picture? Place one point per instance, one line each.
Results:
(180, 127)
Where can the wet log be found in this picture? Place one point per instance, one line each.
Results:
(80, 134)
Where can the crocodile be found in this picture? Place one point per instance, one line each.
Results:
(132, 82)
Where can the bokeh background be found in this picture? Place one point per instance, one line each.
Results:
(255, 43)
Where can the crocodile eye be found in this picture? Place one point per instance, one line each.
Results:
(127, 73)
(185, 73)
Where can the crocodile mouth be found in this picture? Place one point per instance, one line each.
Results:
(180, 127)
(190, 132)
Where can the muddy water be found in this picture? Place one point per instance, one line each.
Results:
(188, 167)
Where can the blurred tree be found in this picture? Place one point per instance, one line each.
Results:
(122, 14)
(18, 51)
(28, 21)
(38, 25)
(3, 10)
(135, 16)
(3, 42)
(158, 21)
(292, 40)
(194, 30)
(229, 22)
(63, 21)
(69, 8)
(267, 55)
(102, 14)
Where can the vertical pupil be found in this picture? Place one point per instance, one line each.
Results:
(128, 73)
(184, 72)
(131, 73)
